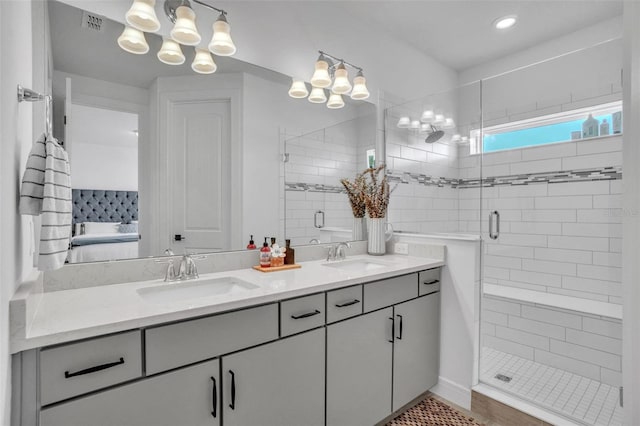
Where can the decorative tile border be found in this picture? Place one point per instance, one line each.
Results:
(604, 173)
(313, 187)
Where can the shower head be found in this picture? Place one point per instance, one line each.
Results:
(435, 135)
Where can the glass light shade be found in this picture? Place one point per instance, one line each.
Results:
(221, 43)
(335, 101)
(133, 41)
(360, 91)
(427, 116)
(321, 76)
(298, 89)
(425, 128)
(341, 83)
(170, 53)
(142, 16)
(415, 124)
(404, 122)
(184, 30)
(456, 138)
(203, 62)
(448, 123)
(317, 96)
(438, 119)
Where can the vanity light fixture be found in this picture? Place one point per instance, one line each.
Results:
(404, 122)
(132, 40)
(170, 53)
(141, 18)
(331, 73)
(438, 119)
(505, 22)
(427, 116)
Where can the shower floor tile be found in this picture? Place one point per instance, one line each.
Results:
(579, 398)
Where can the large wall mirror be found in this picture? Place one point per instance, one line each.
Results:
(163, 158)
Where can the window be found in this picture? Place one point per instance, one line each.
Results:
(561, 127)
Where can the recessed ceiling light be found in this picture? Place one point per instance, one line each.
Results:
(505, 22)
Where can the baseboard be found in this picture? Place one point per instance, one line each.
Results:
(454, 392)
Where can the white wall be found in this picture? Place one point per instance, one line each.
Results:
(16, 134)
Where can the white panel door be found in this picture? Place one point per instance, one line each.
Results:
(199, 148)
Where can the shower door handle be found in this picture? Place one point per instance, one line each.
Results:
(494, 216)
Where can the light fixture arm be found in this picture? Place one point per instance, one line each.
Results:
(336, 61)
(170, 7)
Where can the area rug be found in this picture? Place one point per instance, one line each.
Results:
(431, 412)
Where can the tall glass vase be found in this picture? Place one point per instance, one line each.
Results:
(359, 231)
(377, 237)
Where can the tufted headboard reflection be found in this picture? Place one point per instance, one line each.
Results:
(95, 205)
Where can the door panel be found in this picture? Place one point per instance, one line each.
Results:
(416, 348)
(183, 397)
(277, 384)
(199, 143)
(359, 354)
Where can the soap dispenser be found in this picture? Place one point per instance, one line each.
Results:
(604, 128)
(265, 254)
(252, 244)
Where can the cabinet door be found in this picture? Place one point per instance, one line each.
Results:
(359, 361)
(186, 397)
(416, 349)
(277, 384)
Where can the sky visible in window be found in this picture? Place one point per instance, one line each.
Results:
(552, 133)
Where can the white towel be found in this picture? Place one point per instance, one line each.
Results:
(46, 190)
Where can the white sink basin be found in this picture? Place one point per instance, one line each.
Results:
(186, 290)
(357, 265)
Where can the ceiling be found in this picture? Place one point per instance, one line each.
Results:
(460, 34)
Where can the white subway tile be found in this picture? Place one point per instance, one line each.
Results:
(607, 201)
(615, 245)
(600, 145)
(579, 294)
(555, 215)
(526, 286)
(612, 215)
(562, 255)
(510, 203)
(610, 377)
(566, 202)
(497, 273)
(498, 305)
(503, 262)
(500, 250)
(543, 228)
(603, 327)
(613, 230)
(552, 316)
(530, 190)
(536, 278)
(538, 166)
(592, 286)
(595, 341)
(616, 300)
(522, 240)
(600, 272)
(537, 327)
(607, 159)
(616, 186)
(560, 268)
(579, 188)
(579, 243)
(558, 150)
(502, 157)
(585, 354)
(494, 317)
(508, 347)
(568, 364)
(522, 337)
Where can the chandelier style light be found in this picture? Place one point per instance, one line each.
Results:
(141, 18)
(331, 74)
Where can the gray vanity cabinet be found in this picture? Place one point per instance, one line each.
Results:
(277, 384)
(416, 348)
(359, 354)
(188, 397)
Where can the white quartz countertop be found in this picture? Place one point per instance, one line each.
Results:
(67, 315)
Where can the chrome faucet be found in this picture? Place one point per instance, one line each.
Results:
(188, 269)
(337, 251)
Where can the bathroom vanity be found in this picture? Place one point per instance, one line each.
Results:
(321, 345)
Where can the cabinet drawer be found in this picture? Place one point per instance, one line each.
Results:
(344, 303)
(77, 368)
(429, 281)
(303, 313)
(174, 345)
(388, 292)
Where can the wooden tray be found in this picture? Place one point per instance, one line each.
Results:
(277, 268)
